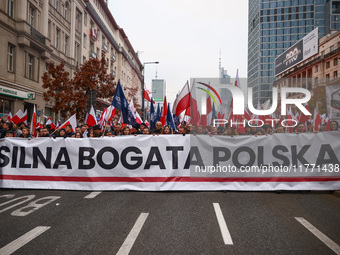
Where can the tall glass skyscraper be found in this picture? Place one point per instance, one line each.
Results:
(273, 27)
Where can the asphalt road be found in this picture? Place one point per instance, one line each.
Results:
(168, 222)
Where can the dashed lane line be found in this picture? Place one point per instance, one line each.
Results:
(326, 240)
(131, 238)
(223, 225)
(93, 194)
(22, 240)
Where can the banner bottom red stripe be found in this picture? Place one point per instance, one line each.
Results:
(166, 179)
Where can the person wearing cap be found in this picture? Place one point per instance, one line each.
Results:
(9, 133)
(135, 130)
(97, 131)
(62, 133)
(142, 126)
(108, 132)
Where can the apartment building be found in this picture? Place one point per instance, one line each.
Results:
(36, 32)
(322, 69)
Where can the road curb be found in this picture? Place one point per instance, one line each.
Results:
(337, 193)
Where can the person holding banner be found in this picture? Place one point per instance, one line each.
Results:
(300, 128)
(146, 131)
(62, 133)
(158, 128)
(334, 126)
(69, 131)
(166, 130)
(280, 129)
(126, 131)
(25, 133)
(117, 130)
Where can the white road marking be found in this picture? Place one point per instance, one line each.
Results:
(93, 194)
(22, 240)
(131, 238)
(332, 245)
(223, 225)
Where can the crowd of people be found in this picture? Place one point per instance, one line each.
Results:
(22, 130)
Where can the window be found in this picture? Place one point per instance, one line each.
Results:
(316, 68)
(328, 64)
(30, 66)
(10, 8)
(327, 77)
(84, 59)
(49, 30)
(85, 18)
(57, 38)
(10, 58)
(316, 80)
(31, 16)
(78, 20)
(66, 44)
(66, 10)
(57, 4)
(84, 41)
(335, 61)
(335, 74)
(91, 46)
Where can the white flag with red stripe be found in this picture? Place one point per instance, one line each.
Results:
(182, 101)
(91, 118)
(71, 121)
(9, 117)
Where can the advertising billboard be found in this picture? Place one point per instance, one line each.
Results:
(300, 51)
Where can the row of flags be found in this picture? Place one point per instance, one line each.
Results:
(186, 102)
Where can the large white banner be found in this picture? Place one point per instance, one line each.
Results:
(174, 162)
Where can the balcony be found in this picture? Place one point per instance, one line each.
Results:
(113, 57)
(38, 36)
(93, 54)
(105, 47)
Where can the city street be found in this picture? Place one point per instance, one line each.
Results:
(75, 222)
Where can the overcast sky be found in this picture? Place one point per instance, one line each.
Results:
(185, 36)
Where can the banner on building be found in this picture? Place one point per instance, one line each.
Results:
(300, 51)
(174, 162)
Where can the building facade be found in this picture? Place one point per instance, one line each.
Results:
(273, 27)
(36, 32)
(320, 70)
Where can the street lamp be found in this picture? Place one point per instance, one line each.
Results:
(145, 63)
